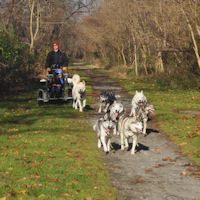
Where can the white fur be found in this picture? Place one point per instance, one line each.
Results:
(103, 131)
(129, 128)
(78, 92)
(138, 97)
(116, 110)
(149, 108)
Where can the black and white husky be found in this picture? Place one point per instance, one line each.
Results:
(103, 130)
(107, 98)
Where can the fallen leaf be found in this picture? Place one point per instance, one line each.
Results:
(157, 149)
(22, 192)
(191, 135)
(34, 185)
(35, 175)
(188, 164)
(159, 165)
(183, 173)
(37, 152)
(34, 164)
(198, 176)
(16, 152)
(148, 170)
(3, 198)
(168, 158)
(183, 143)
(15, 136)
(96, 187)
(42, 195)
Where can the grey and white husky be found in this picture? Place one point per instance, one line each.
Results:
(114, 113)
(78, 92)
(106, 98)
(103, 130)
(138, 100)
(129, 127)
(148, 109)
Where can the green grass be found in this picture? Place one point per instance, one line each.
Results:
(49, 152)
(184, 129)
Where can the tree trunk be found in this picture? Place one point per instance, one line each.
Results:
(123, 56)
(144, 58)
(136, 64)
(159, 63)
(195, 47)
(33, 35)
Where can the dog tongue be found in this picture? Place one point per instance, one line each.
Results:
(107, 130)
(138, 130)
(116, 114)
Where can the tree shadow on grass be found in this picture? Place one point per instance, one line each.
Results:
(21, 113)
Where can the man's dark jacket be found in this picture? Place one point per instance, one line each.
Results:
(62, 59)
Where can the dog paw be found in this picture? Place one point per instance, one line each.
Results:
(132, 153)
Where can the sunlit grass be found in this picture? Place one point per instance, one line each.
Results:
(49, 152)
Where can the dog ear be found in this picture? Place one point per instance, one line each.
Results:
(83, 82)
(136, 92)
(142, 91)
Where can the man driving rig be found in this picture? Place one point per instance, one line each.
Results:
(56, 59)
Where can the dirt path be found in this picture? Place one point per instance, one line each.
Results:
(154, 172)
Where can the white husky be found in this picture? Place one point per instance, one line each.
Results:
(78, 92)
(103, 130)
(138, 100)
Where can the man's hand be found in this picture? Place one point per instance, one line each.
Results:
(65, 68)
(48, 69)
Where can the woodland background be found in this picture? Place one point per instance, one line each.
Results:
(156, 39)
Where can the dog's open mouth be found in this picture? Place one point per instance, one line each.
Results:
(138, 130)
(116, 114)
(140, 103)
(107, 130)
(151, 112)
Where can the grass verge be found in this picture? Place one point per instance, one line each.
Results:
(49, 152)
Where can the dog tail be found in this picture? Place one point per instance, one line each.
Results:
(117, 96)
(94, 127)
(75, 79)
